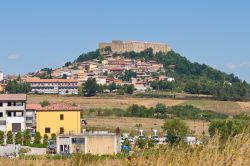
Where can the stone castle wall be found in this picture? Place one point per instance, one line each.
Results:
(136, 46)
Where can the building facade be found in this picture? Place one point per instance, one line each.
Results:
(1, 76)
(119, 46)
(100, 143)
(53, 86)
(12, 112)
(59, 119)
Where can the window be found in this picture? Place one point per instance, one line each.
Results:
(9, 114)
(61, 117)
(47, 130)
(61, 130)
(1, 114)
(1, 104)
(9, 103)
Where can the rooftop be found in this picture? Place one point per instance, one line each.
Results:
(33, 106)
(60, 107)
(13, 97)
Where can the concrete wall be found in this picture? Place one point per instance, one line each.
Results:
(9, 150)
(102, 144)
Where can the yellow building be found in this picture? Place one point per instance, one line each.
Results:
(2, 87)
(58, 119)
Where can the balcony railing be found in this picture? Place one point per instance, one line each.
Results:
(15, 119)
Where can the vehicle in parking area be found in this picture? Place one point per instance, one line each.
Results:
(51, 148)
(156, 138)
(131, 139)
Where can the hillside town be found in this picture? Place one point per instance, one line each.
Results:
(112, 69)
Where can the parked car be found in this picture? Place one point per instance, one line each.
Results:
(156, 138)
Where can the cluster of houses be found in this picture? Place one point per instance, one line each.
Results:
(61, 119)
(107, 72)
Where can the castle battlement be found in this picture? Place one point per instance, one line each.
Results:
(119, 46)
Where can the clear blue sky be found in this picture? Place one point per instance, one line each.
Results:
(48, 33)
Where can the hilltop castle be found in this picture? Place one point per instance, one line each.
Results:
(119, 46)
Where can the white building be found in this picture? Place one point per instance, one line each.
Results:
(12, 112)
(1, 76)
(54, 86)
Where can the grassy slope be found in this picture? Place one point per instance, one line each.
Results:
(127, 124)
(228, 107)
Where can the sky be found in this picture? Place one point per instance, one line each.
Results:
(38, 34)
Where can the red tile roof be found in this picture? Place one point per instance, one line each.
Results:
(13, 97)
(33, 106)
(60, 107)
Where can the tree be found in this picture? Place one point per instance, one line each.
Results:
(37, 138)
(129, 89)
(108, 49)
(26, 138)
(112, 86)
(160, 108)
(67, 64)
(1, 137)
(64, 76)
(90, 87)
(18, 138)
(53, 136)
(45, 139)
(44, 103)
(176, 130)
(141, 143)
(14, 86)
(228, 127)
(9, 137)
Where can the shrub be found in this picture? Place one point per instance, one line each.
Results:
(9, 137)
(26, 138)
(229, 127)
(45, 140)
(18, 138)
(44, 103)
(37, 138)
(1, 137)
(176, 130)
(53, 136)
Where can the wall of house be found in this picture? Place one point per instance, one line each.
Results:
(102, 144)
(6, 122)
(51, 119)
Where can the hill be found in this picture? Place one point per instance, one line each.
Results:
(190, 77)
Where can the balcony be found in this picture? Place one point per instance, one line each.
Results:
(15, 108)
(15, 119)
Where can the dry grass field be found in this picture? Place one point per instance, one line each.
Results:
(236, 152)
(127, 124)
(227, 107)
(103, 102)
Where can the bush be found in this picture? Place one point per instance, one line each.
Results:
(53, 136)
(228, 128)
(18, 138)
(37, 138)
(176, 130)
(26, 138)
(1, 137)
(44, 103)
(9, 137)
(45, 140)
(191, 112)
